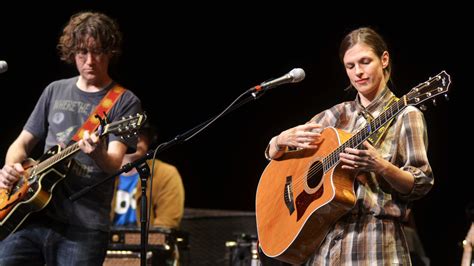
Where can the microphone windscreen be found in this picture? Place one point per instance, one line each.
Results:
(297, 74)
(3, 66)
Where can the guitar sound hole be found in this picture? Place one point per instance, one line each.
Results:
(315, 174)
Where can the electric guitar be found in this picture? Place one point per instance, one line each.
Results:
(303, 193)
(33, 191)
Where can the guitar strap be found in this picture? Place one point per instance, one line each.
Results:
(92, 123)
(375, 137)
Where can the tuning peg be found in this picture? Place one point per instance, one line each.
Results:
(434, 102)
(423, 107)
(446, 97)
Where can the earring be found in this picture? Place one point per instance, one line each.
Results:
(348, 87)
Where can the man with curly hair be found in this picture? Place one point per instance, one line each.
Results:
(67, 232)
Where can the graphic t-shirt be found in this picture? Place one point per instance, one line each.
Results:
(58, 114)
(126, 205)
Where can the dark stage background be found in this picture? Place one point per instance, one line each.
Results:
(188, 62)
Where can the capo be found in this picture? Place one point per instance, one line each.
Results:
(102, 122)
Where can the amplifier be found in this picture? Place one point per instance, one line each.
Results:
(125, 246)
(126, 258)
(129, 238)
(209, 230)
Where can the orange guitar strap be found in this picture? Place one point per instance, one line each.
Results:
(92, 123)
(375, 137)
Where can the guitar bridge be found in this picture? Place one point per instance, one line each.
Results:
(288, 195)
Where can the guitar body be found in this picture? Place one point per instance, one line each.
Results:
(297, 203)
(30, 194)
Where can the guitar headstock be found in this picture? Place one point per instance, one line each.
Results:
(429, 89)
(126, 126)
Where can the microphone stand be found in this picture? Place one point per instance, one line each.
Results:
(144, 171)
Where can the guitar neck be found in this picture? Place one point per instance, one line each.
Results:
(122, 128)
(61, 156)
(358, 138)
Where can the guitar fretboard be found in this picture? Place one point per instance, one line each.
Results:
(359, 137)
(63, 154)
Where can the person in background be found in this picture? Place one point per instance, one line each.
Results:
(396, 167)
(70, 232)
(167, 195)
(167, 204)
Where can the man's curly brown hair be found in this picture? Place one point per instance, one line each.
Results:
(82, 25)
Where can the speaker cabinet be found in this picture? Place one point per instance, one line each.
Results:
(210, 230)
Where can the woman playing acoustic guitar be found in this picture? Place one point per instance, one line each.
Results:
(391, 166)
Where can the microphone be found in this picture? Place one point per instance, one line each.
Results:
(295, 75)
(3, 66)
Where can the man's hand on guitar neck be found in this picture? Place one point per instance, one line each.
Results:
(89, 142)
